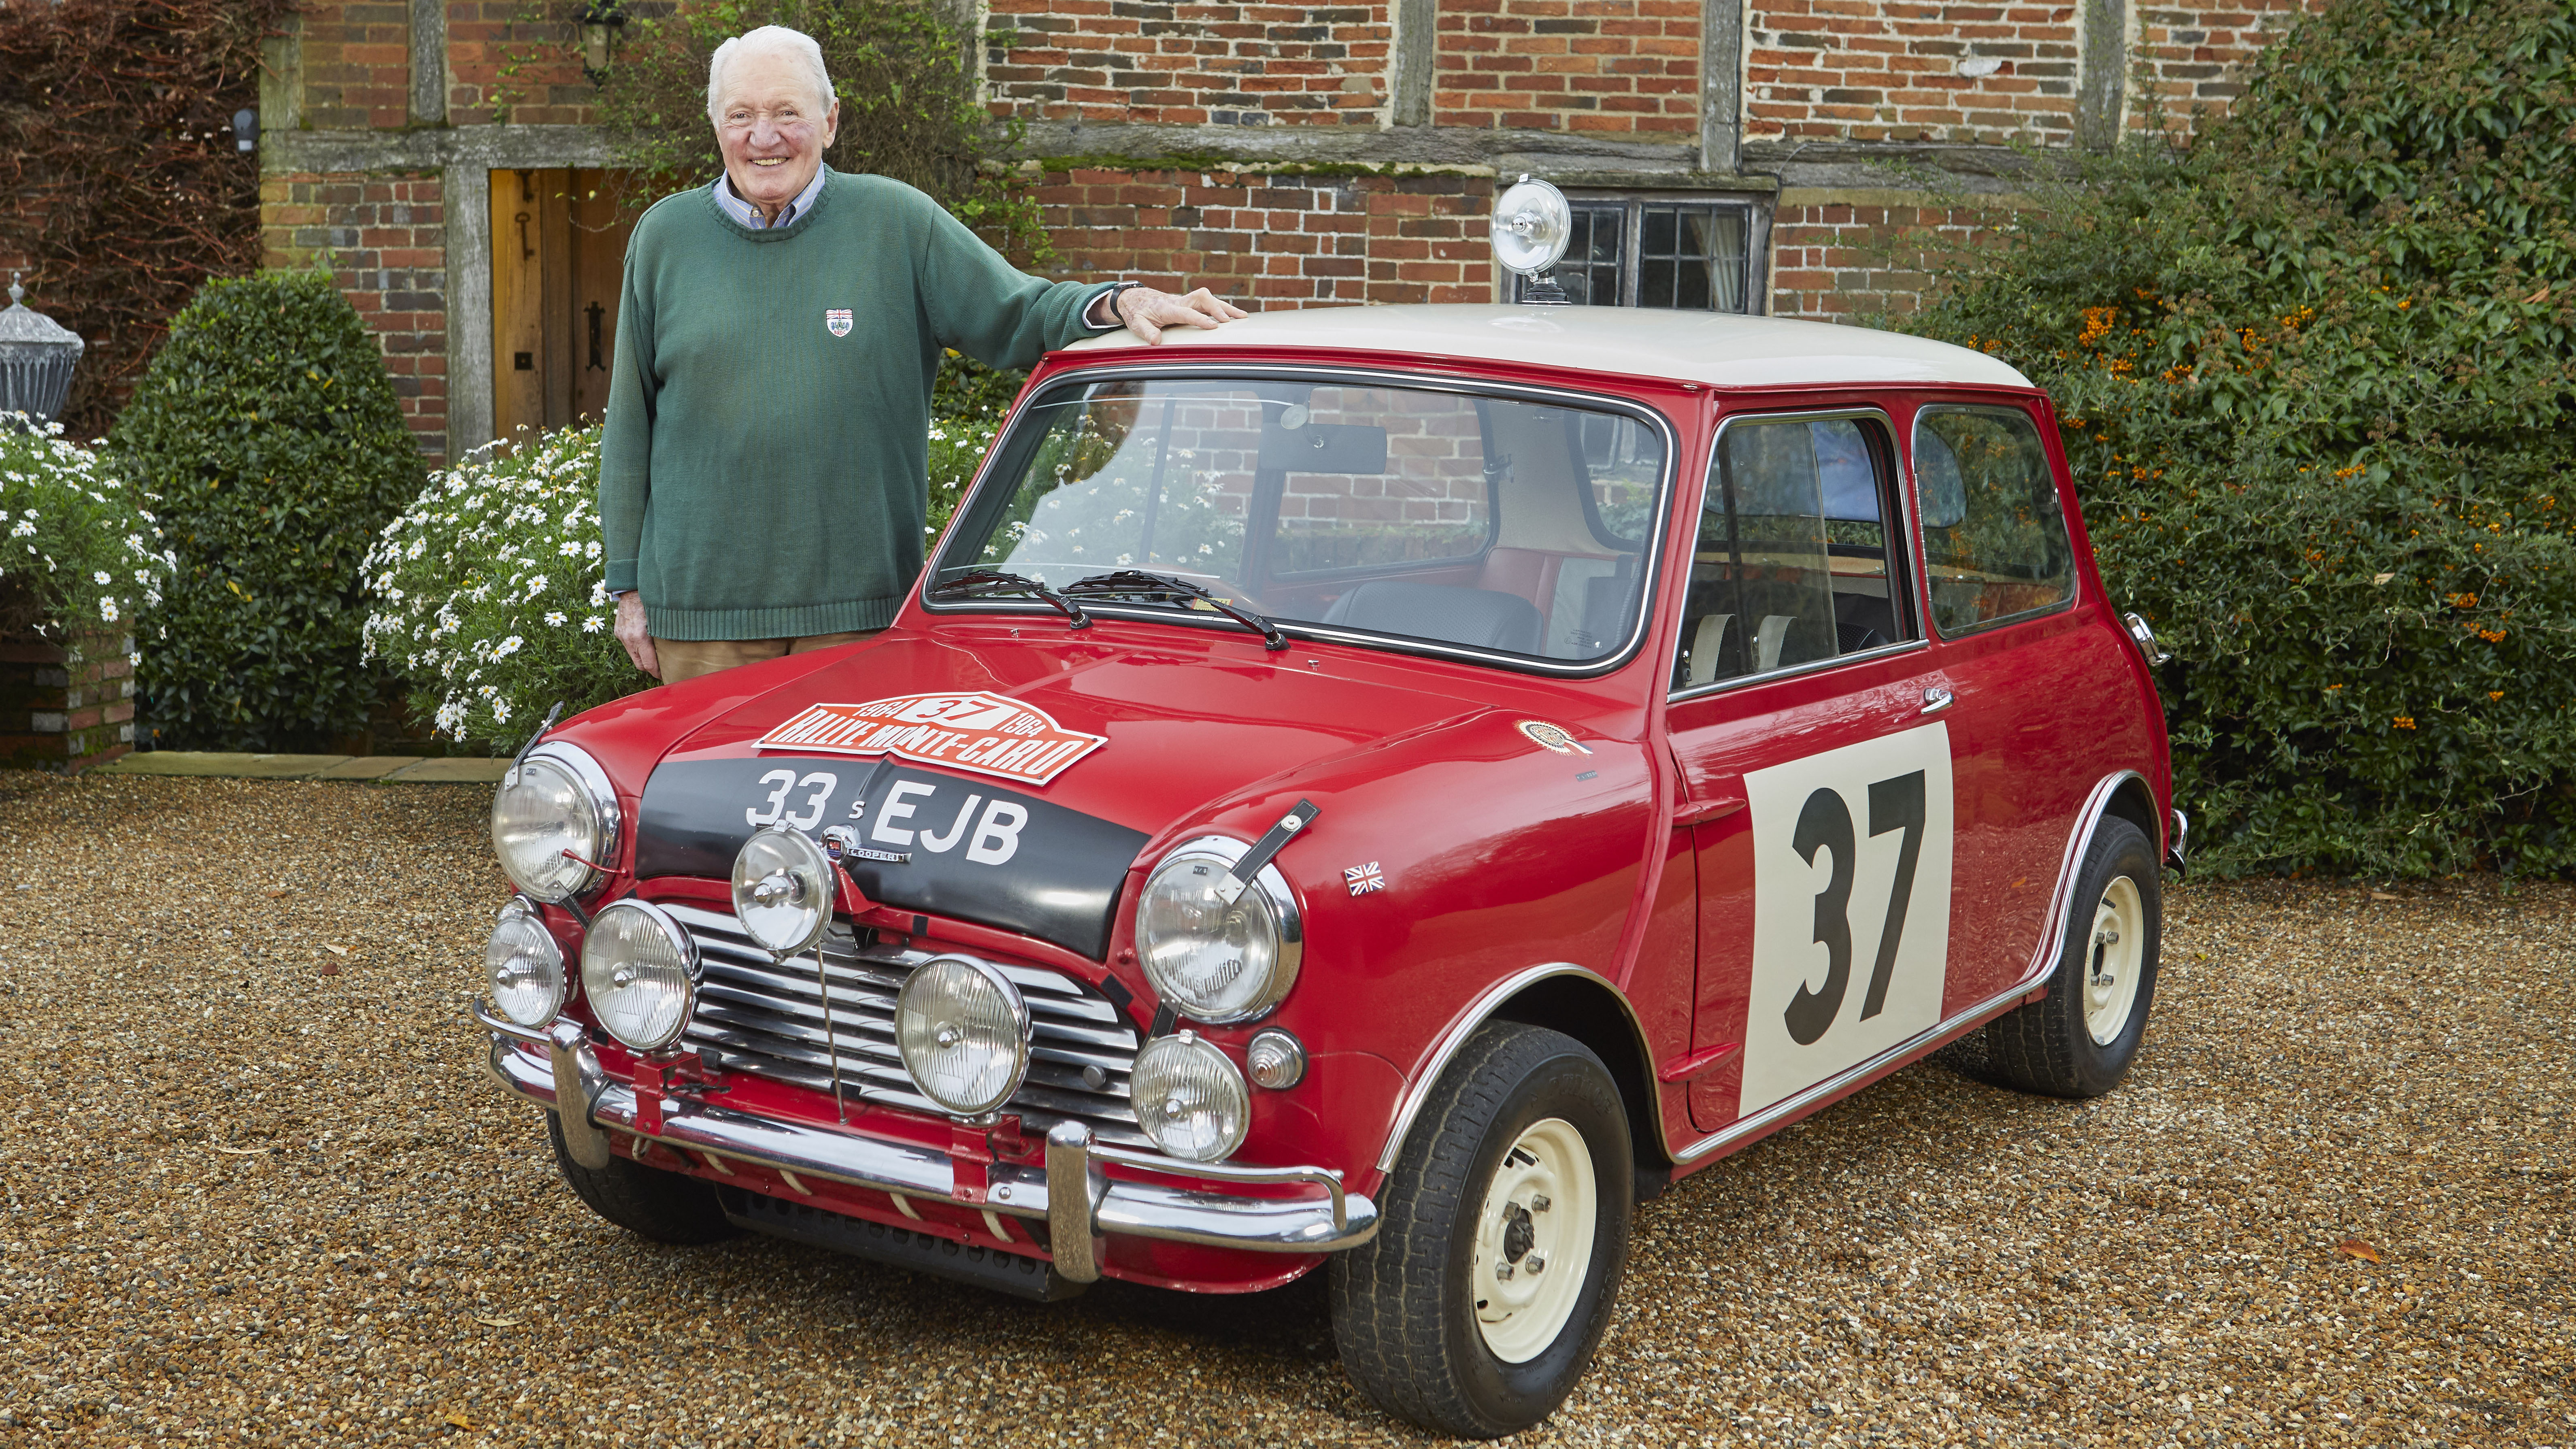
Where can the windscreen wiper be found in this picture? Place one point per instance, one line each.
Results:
(1131, 582)
(976, 583)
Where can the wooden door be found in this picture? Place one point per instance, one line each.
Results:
(558, 255)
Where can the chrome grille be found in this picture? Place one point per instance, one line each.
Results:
(767, 1019)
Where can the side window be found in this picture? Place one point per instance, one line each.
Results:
(1792, 563)
(1994, 537)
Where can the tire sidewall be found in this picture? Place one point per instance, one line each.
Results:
(2118, 849)
(1575, 1086)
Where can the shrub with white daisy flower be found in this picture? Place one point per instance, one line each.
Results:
(489, 592)
(80, 550)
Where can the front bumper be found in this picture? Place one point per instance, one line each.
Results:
(1073, 1195)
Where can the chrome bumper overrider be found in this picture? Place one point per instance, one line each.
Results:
(1079, 1203)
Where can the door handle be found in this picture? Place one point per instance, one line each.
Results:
(1701, 812)
(1936, 699)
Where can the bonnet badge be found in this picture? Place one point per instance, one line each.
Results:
(838, 320)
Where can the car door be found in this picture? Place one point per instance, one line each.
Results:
(1807, 718)
(2027, 727)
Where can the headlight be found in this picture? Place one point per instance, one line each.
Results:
(1189, 1098)
(526, 967)
(782, 889)
(1215, 962)
(964, 1034)
(640, 971)
(556, 800)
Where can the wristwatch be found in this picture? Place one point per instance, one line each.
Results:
(1111, 297)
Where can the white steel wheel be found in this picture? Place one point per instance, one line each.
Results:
(1534, 1240)
(2114, 961)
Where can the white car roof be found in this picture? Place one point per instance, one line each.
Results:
(1706, 347)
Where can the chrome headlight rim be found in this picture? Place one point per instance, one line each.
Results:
(1274, 887)
(806, 863)
(1214, 1058)
(594, 782)
(694, 970)
(520, 907)
(1022, 1032)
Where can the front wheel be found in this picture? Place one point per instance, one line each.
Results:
(667, 1207)
(1503, 1235)
(2078, 1040)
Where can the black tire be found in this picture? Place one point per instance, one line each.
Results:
(2050, 1047)
(1405, 1313)
(666, 1207)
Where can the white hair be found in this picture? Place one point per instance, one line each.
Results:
(795, 44)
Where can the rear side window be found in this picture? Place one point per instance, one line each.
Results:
(1994, 538)
(1792, 565)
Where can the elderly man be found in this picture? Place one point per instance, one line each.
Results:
(761, 482)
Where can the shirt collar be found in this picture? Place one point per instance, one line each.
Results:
(743, 211)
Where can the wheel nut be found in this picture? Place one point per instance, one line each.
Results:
(1534, 1263)
(1503, 1271)
(1539, 1204)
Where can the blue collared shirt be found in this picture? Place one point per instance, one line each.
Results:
(743, 211)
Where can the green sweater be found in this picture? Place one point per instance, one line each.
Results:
(764, 476)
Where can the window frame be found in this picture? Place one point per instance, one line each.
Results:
(1902, 580)
(1922, 547)
(1510, 286)
(1021, 434)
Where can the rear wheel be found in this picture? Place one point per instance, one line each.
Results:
(1503, 1237)
(666, 1207)
(2078, 1040)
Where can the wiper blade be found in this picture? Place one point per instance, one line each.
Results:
(976, 583)
(1128, 582)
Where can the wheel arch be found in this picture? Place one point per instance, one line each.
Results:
(2133, 801)
(1559, 996)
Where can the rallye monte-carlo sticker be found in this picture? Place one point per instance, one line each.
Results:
(984, 733)
(929, 842)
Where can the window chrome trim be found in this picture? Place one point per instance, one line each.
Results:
(1650, 558)
(1913, 557)
(2075, 573)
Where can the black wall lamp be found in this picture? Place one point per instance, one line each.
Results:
(600, 22)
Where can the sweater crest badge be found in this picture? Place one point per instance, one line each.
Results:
(981, 732)
(837, 319)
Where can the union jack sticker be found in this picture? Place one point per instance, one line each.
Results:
(1363, 879)
(837, 319)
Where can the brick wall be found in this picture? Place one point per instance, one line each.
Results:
(1278, 240)
(1889, 70)
(2197, 59)
(1202, 64)
(383, 238)
(1568, 65)
(1847, 255)
(492, 60)
(357, 64)
(65, 708)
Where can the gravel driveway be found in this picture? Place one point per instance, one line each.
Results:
(256, 1190)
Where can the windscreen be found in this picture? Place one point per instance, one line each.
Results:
(1423, 515)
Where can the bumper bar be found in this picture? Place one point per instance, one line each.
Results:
(1080, 1204)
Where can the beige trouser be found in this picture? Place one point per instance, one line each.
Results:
(689, 658)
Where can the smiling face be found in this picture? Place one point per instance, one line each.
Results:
(772, 128)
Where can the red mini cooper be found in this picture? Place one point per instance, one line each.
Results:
(1379, 791)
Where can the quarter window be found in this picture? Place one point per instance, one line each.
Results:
(1995, 545)
(1792, 564)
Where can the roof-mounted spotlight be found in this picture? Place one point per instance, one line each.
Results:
(1532, 224)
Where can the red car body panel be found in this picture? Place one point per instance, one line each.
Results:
(1498, 856)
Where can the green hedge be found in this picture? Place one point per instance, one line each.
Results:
(2316, 379)
(268, 431)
